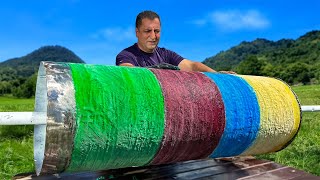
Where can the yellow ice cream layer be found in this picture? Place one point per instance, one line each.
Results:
(280, 114)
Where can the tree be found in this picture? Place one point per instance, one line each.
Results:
(251, 66)
(28, 88)
(295, 73)
(5, 87)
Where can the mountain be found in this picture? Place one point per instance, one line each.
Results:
(18, 75)
(27, 65)
(227, 60)
(294, 61)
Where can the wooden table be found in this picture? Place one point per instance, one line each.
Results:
(240, 168)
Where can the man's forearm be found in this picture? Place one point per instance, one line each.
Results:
(187, 65)
(198, 66)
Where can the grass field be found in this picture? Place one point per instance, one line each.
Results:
(16, 153)
(11, 104)
(16, 142)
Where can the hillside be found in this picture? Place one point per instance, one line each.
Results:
(27, 65)
(294, 61)
(18, 75)
(227, 60)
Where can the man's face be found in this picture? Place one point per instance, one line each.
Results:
(148, 34)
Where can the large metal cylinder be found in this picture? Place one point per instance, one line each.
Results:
(108, 117)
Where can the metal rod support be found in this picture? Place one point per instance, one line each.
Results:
(38, 118)
(23, 118)
(310, 108)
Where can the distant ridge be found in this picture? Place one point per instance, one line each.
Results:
(275, 52)
(293, 61)
(29, 64)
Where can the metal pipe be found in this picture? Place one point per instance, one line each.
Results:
(38, 118)
(23, 118)
(310, 108)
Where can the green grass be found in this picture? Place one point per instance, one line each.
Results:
(16, 142)
(16, 154)
(304, 152)
(308, 95)
(11, 104)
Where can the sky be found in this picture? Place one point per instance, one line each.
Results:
(97, 31)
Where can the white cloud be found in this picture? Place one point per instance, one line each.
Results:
(116, 34)
(251, 19)
(235, 20)
(199, 22)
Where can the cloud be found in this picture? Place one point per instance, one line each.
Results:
(118, 34)
(234, 20)
(199, 22)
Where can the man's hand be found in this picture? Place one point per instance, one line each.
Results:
(164, 66)
(126, 64)
(227, 72)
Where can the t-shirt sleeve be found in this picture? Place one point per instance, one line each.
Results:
(172, 57)
(125, 57)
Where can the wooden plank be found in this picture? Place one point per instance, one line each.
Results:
(236, 170)
(306, 177)
(244, 171)
(195, 169)
(190, 168)
(280, 173)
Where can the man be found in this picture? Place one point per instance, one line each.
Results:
(146, 51)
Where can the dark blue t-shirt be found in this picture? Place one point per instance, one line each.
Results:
(137, 57)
